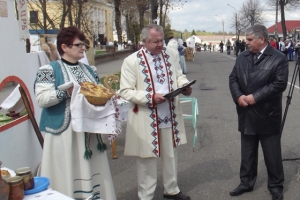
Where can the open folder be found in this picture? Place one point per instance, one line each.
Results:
(179, 90)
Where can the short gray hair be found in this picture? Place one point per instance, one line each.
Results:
(145, 35)
(258, 31)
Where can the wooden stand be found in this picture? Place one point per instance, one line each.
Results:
(114, 149)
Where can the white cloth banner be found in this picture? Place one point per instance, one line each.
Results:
(23, 19)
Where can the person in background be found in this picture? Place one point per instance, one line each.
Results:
(273, 43)
(221, 46)
(75, 162)
(286, 43)
(281, 46)
(173, 44)
(237, 47)
(242, 45)
(277, 43)
(290, 49)
(297, 47)
(155, 126)
(181, 49)
(228, 46)
(258, 99)
(295, 54)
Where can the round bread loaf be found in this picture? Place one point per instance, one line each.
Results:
(95, 94)
(5, 173)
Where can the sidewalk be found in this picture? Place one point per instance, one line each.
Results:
(110, 67)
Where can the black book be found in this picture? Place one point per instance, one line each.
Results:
(179, 90)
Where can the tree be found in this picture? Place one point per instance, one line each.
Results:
(289, 4)
(118, 20)
(57, 14)
(142, 5)
(193, 32)
(251, 13)
(165, 6)
(154, 8)
(128, 8)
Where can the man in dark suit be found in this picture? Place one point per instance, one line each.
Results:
(258, 99)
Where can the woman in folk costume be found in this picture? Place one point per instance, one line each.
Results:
(290, 49)
(76, 162)
(155, 126)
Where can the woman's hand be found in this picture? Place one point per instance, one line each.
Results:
(70, 90)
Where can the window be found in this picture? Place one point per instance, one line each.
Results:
(33, 17)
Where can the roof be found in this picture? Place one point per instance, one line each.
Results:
(290, 25)
(218, 38)
(214, 37)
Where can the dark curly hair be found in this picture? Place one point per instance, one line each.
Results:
(67, 36)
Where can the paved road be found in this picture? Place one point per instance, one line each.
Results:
(212, 170)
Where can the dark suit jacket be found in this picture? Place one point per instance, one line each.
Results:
(266, 79)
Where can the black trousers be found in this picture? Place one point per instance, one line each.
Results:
(271, 146)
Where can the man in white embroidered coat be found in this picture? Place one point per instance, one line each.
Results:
(155, 124)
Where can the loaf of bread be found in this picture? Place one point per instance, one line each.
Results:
(5, 173)
(95, 94)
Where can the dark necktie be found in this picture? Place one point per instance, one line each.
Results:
(256, 55)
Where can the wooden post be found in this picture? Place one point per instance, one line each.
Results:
(114, 149)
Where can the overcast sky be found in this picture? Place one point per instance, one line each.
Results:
(201, 15)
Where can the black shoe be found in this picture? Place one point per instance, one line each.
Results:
(277, 196)
(240, 190)
(179, 196)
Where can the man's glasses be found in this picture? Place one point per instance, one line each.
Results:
(80, 45)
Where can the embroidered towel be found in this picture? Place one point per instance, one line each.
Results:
(93, 119)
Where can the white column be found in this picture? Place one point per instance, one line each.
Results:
(101, 21)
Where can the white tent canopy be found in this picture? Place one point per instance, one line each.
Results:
(191, 41)
(193, 37)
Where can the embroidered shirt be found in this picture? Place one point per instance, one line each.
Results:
(160, 82)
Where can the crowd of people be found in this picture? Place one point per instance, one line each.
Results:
(286, 46)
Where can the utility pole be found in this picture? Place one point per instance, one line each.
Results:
(223, 26)
(236, 22)
(276, 21)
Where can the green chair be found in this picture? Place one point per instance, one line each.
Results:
(193, 116)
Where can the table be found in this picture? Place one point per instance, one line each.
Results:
(48, 194)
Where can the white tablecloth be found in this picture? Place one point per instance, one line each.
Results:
(48, 194)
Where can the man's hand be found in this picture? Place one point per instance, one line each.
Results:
(250, 99)
(187, 91)
(242, 101)
(158, 98)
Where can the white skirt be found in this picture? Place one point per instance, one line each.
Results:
(70, 173)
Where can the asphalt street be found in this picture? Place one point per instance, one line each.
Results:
(212, 171)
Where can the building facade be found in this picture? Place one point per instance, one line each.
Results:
(96, 18)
